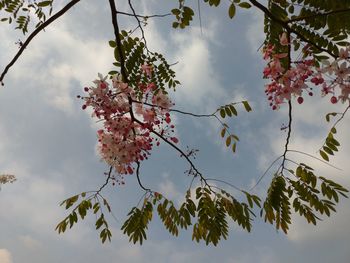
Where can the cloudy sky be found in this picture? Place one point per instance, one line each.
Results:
(49, 143)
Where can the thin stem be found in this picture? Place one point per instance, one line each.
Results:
(263, 175)
(139, 22)
(107, 180)
(175, 110)
(117, 39)
(317, 15)
(288, 135)
(224, 182)
(143, 16)
(314, 157)
(33, 34)
(138, 178)
(342, 115)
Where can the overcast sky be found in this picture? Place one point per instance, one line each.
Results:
(49, 143)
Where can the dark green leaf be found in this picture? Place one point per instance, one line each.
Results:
(232, 11)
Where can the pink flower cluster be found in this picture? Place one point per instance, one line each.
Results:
(303, 76)
(130, 119)
(338, 74)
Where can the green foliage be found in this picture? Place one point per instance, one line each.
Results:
(330, 145)
(321, 23)
(208, 218)
(229, 110)
(136, 225)
(310, 196)
(183, 15)
(136, 54)
(21, 12)
(93, 202)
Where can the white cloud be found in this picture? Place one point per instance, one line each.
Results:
(5, 256)
(200, 85)
(168, 188)
(64, 57)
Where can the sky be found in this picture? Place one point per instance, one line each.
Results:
(49, 143)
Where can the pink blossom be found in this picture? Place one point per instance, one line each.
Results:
(284, 41)
(148, 69)
(123, 141)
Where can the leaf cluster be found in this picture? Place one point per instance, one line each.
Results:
(331, 145)
(136, 54)
(323, 24)
(183, 14)
(81, 209)
(308, 195)
(229, 110)
(20, 12)
(208, 218)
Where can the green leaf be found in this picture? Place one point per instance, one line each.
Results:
(328, 150)
(245, 5)
(228, 111)
(232, 11)
(228, 141)
(223, 132)
(233, 110)
(44, 3)
(324, 155)
(112, 43)
(246, 106)
(234, 147)
(222, 113)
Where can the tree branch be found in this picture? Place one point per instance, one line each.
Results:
(109, 175)
(138, 177)
(33, 34)
(117, 39)
(300, 18)
(285, 25)
(138, 22)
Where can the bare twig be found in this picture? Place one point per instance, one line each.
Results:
(314, 157)
(138, 177)
(224, 182)
(263, 175)
(138, 21)
(143, 16)
(33, 34)
(109, 175)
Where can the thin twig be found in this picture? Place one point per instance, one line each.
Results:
(314, 157)
(342, 115)
(33, 34)
(107, 180)
(139, 23)
(263, 175)
(143, 16)
(224, 182)
(317, 15)
(175, 110)
(138, 177)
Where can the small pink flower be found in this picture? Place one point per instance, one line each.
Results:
(148, 69)
(284, 41)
